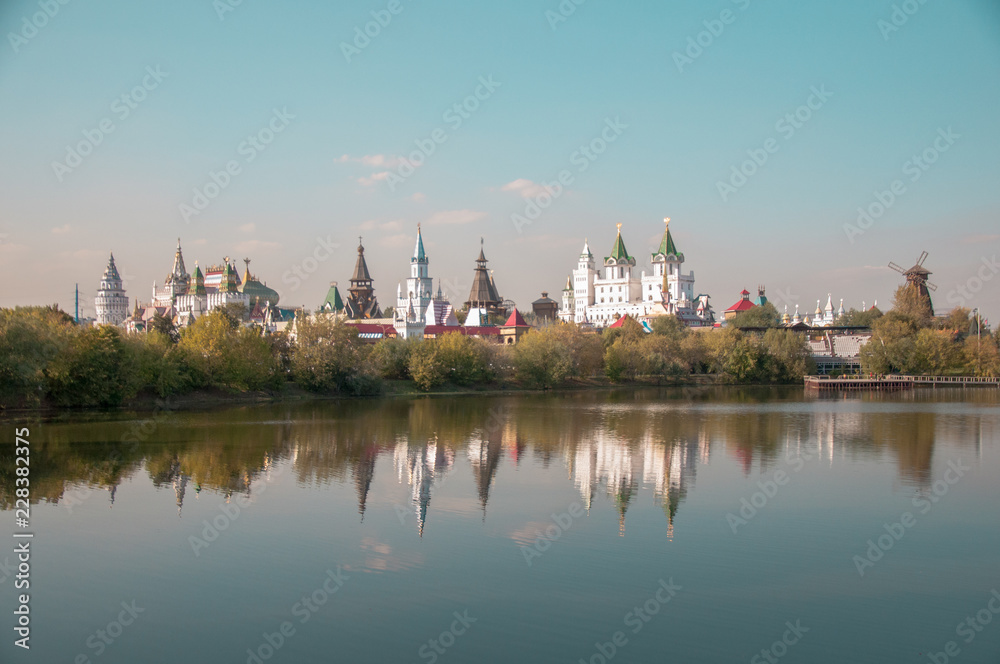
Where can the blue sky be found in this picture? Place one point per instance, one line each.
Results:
(887, 95)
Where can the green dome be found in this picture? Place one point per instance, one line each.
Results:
(253, 288)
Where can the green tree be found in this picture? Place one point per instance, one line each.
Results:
(907, 301)
(391, 357)
(763, 316)
(935, 353)
(328, 357)
(856, 318)
(792, 358)
(91, 371)
(542, 359)
(30, 337)
(229, 355)
(891, 347)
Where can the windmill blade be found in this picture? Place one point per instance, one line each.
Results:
(931, 286)
(923, 257)
(897, 268)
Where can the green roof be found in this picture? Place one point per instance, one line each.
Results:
(419, 256)
(667, 245)
(618, 251)
(333, 300)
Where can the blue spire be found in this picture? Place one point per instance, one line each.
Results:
(418, 251)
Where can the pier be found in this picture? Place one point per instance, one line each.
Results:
(893, 382)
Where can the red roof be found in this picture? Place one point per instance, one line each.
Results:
(744, 303)
(515, 320)
(620, 322)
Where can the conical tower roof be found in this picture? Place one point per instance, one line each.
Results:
(361, 266)
(419, 255)
(618, 251)
(667, 246)
(111, 271)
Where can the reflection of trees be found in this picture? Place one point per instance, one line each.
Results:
(613, 442)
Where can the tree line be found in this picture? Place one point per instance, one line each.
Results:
(46, 359)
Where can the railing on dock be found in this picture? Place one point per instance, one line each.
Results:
(894, 382)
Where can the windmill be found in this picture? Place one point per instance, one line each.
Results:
(916, 276)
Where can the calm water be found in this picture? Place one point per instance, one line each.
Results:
(590, 526)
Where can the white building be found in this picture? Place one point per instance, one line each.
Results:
(417, 306)
(600, 299)
(111, 302)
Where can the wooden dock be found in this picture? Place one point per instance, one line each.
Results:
(894, 382)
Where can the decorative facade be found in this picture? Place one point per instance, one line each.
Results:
(416, 306)
(361, 301)
(111, 302)
(599, 298)
(483, 296)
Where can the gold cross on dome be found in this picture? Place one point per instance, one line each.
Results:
(619, 227)
(666, 220)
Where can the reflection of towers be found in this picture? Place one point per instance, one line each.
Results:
(423, 466)
(364, 472)
(180, 484)
(484, 457)
(668, 468)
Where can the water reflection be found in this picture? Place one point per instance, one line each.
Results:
(613, 444)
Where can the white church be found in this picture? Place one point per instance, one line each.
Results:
(416, 306)
(600, 297)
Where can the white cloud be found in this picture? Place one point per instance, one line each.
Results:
(455, 217)
(61, 230)
(380, 225)
(525, 188)
(980, 239)
(418, 197)
(373, 178)
(372, 160)
(248, 228)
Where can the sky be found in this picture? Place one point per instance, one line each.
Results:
(799, 146)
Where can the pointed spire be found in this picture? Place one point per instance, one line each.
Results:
(569, 283)
(586, 253)
(419, 256)
(667, 246)
(618, 251)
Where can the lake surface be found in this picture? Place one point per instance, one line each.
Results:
(673, 525)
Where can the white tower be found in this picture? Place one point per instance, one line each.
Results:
(419, 289)
(111, 303)
(583, 283)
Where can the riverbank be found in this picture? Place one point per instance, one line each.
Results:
(215, 398)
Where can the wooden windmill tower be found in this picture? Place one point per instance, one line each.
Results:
(916, 276)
